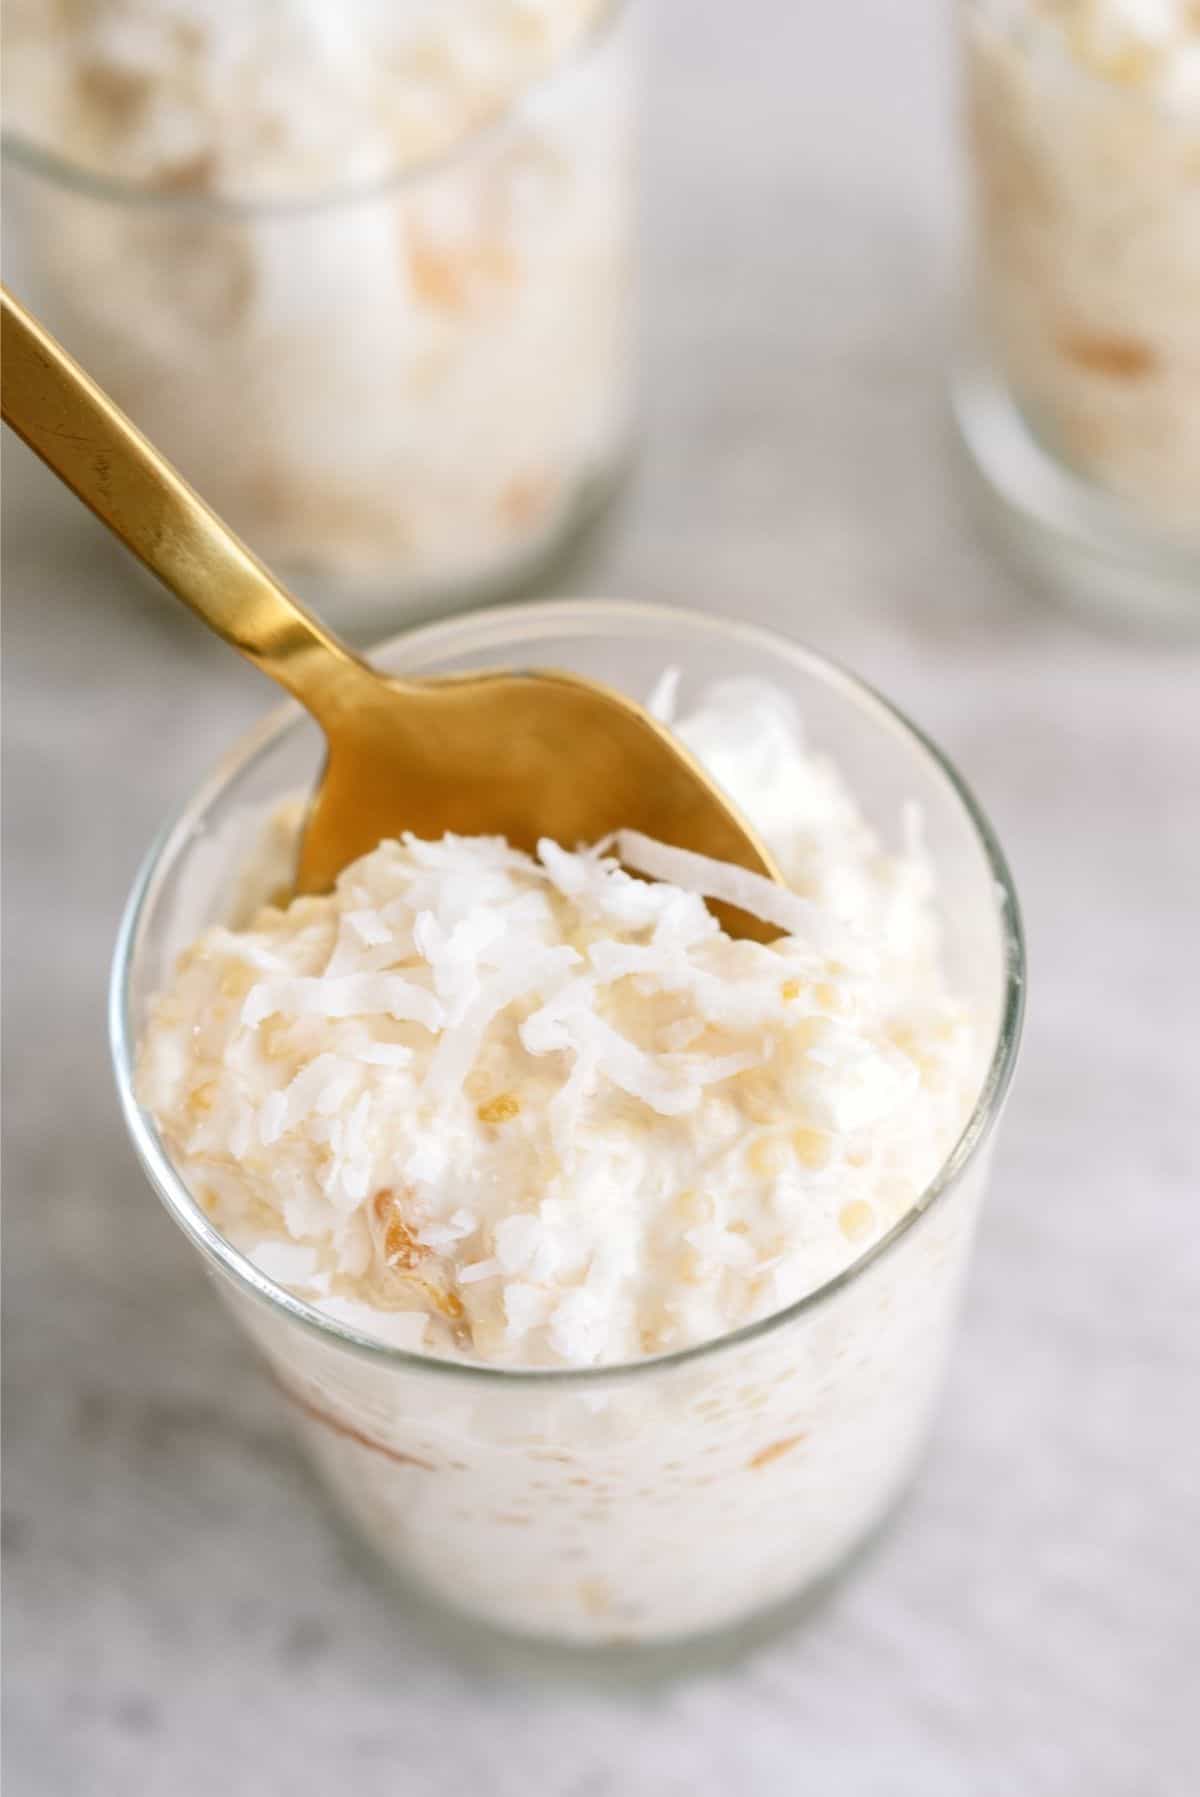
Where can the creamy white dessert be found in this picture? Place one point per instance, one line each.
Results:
(265, 102)
(1085, 132)
(524, 1115)
(366, 276)
(541, 1112)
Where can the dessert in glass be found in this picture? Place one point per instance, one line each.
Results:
(1080, 403)
(608, 1265)
(363, 272)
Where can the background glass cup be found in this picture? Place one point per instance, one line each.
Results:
(651, 1504)
(417, 388)
(1079, 403)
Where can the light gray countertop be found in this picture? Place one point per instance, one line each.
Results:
(180, 1617)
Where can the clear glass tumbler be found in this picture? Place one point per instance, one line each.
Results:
(653, 1504)
(1079, 403)
(411, 390)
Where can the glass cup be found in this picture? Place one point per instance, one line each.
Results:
(650, 1505)
(411, 392)
(1079, 402)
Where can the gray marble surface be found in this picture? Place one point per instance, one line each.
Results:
(180, 1617)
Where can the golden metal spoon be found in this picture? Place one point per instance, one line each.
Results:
(521, 755)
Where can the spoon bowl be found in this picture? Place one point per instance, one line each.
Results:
(518, 755)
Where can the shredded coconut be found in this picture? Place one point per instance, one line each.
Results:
(762, 898)
(551, 1109)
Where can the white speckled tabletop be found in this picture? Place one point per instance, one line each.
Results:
(180, 1616)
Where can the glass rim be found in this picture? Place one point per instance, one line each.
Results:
(427, 645)
(94, 184)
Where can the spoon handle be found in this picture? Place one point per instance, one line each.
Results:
(91, 445)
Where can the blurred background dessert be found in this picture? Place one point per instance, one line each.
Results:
(364, 271)
(1084, 410)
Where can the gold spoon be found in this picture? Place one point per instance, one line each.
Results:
(521, 755)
